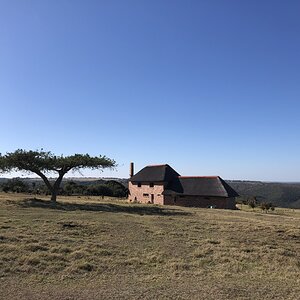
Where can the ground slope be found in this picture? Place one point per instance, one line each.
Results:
(90, 249)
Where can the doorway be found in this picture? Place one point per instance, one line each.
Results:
(152, 198)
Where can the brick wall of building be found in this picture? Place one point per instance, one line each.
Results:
(146, 194)
(197, 201)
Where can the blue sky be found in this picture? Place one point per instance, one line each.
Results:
(210, 87)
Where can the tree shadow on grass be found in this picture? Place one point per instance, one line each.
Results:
(104, 207)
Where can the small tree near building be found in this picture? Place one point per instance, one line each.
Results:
(252, 203)
(43, 162)
(265, 206)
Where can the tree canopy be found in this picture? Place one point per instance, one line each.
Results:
(44, 162)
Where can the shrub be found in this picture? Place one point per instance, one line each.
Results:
(100, 188)
(252, 203)
(15, 185)
(265, 206)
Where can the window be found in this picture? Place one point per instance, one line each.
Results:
(139, 184)
(145, 195)
(151, 184)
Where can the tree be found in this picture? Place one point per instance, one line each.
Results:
(252, 203)
(265, 206)
(42, 162)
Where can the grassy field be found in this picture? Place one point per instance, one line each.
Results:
(92, 248)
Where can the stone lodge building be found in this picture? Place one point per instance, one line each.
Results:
(161, 184)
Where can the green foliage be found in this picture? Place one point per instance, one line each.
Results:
(94, 188)
(72, 188)
(103, 188)
(42, 162)
(118, 189)
(252, 202)
(99, 190)
(266, 206)
(15, 185)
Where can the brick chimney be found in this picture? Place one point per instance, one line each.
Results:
(131, 172)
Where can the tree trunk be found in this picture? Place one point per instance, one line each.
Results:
(55, 187)
(53, 196)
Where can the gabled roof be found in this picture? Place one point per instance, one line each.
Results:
(157, 173)
(210, 186)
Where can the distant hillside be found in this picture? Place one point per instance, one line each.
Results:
(280, 194)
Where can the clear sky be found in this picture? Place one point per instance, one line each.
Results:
(209, 87)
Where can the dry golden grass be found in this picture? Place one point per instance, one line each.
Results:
(92, 248)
